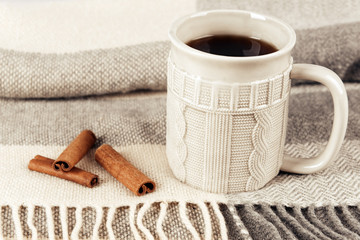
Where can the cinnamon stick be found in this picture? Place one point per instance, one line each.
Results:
(75, 151)
(44, 165)
(123, 171)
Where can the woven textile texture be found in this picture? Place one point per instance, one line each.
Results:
(175, 210)
(103, 71)
(40, 65)
(66, 66)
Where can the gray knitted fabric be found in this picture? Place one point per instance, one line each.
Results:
(34, 75)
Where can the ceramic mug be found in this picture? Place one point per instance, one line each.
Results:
(227, 116)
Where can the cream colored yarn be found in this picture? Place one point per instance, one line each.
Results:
(226, 138)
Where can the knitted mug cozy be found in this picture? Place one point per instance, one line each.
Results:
(226, 138)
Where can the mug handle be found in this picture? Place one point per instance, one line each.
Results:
(335, 85)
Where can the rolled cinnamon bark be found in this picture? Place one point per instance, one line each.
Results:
(123, 171)
(75, 151)
(44, 165)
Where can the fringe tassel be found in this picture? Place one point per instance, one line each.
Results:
(311, 215)
(162, 214)
(17, 223)
(304, 222)
(207, 220)
(30, 222)
(50, 222)
(110, 218)
(350, 219)
(140, 224)
(1, 224)
(78, 216)
(186, 221)
(136, 222)
(242, 229)
(332, 217)
(220, 217)
(63, 221)
(132, 222)
(98, 218)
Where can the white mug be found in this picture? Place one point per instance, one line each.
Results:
(227, 116)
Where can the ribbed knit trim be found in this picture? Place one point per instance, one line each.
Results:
(204, 94)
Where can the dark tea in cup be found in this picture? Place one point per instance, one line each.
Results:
(232, 45)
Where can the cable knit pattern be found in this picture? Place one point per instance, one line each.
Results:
(260, 137)
(178, 149)
(234, 132)
(181, 148)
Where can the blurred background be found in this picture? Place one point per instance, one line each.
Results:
(132, 38)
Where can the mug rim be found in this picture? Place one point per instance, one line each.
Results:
(183, 46)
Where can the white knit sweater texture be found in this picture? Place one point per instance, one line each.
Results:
(226, 138)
